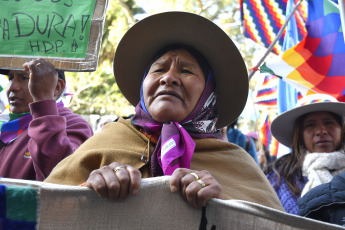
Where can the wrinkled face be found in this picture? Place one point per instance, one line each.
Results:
(321, 132)
(17, 91)
(173, 86)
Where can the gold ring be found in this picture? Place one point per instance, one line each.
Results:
(194, 175)
(201, 183)
(119, 168)
(38, 64)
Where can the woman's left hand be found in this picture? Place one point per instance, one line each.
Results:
(196, 186)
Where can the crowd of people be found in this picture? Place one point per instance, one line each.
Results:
(188, 84)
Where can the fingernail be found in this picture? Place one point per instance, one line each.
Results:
(135, 192)
(173, 188)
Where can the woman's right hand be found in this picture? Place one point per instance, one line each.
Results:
(115, 181)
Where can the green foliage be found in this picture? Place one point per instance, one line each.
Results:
(97, 92)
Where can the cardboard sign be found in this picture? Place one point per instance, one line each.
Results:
(67, 33)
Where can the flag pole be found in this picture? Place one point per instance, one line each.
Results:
(280, 33)
(342, 15)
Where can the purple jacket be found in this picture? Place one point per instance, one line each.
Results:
(53, 134)
(286, 197)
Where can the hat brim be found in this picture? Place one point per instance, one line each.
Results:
(61, 74)
(282, 127)
(4, 71)
(141, 42)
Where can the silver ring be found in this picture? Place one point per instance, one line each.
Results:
(119, 168)
(38, 64)
(201, 183)
(194, 175)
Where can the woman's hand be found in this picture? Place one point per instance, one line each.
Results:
(196, 186)
(115, 181)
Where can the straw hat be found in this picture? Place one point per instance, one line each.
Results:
(283, 126)
(141, 42)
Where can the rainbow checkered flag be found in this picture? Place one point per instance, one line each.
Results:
(317, 63)
(3, 97)
(265, 133)
(266, 96)
(262, 20)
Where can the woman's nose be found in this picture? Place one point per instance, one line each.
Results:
(171, 77)
(321, 129)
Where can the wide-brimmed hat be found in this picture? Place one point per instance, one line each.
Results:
(282, 127)
(142, 41)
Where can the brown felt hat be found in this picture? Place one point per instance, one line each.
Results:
(142, 41)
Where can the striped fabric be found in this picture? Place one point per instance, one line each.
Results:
(266, 97)
(262, 20)
(265, 133)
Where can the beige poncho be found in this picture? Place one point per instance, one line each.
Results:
(231, 166)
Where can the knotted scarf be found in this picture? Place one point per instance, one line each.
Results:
(12, 125)
(320, 168)
(175, 146)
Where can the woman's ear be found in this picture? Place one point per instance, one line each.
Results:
(60, 86)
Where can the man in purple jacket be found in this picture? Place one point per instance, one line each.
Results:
(37, 132)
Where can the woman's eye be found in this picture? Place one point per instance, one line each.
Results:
(308, 125)
(186, 71)
(329, 122)
(24, 78)
(159, 70)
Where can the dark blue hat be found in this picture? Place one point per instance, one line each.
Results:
(61, 74)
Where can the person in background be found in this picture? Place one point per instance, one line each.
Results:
(237, 137)
(315, 132)
(263, 155)
(37, 132)
(104, 120)
(187, 80)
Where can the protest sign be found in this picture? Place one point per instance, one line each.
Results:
(67, 33)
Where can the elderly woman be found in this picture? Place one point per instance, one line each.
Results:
(314, 130)
(187, 80)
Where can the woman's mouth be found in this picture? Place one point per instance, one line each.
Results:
(168, 93)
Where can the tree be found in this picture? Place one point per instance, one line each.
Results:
(97, 92)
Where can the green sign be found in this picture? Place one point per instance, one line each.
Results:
(45, 28)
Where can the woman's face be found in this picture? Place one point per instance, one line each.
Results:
(173, 86)
(321, 132)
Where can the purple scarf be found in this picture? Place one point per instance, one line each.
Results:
(175, 146)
